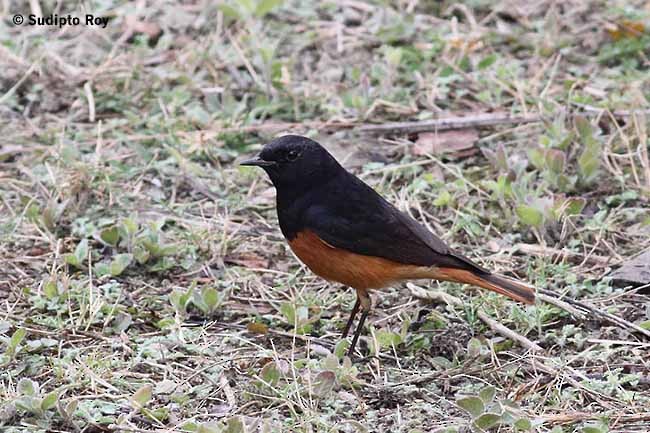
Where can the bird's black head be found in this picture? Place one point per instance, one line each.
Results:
(295, 163)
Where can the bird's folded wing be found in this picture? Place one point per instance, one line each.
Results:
(381, 230)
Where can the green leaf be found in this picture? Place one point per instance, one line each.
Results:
(331, 362)
(190, 426)
(229, 11)
(530, 216)
(102, 269)
(235, 425)
(393, 55)
(209, 427)
(165, 323)
(442, 362)
(180, 300)
(270, 373)
(465, 64)
(27, 387)
(71, 259)
(197, 300)
(50, 289)
(487, 420)
(358, 427)
(388, 338)
(474, 347)
(537, 158)
(247, 5)
(645, 325)
(487, 394)
(588, 163)
(211, 297)
(129, 226)
(615, 200)
(323, 383)
(443, 199)
(81, 252)
(120, 263)
(523, 424)
(71, 407)
(473, 405)
(49, 401)
(288, 310)
(17, 338)
(589, 159)
(574, 206)
(592, 429)
(341, 348)
(555, 160)
(122, 321)
(141, 396)
(266, 6)
(28, 404)
(585, 130)
(110, 235)
(487, 61)
(141, 254)
(160, 414)
(302, 314)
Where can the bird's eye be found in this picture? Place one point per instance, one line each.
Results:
(292, 155)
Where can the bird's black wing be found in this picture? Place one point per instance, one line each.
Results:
(348, 214)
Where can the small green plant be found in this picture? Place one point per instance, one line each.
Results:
(208, 300)
(345, 371)
(298, 317)
(13, 346)
(130, 243)
(272, 372)
(181, 300)
(115, 267)
(232, 425)
(249, 8)
(487, 412)
(600, 427)
(79, 258)
(387, 339)
(591, 154)
(32, 401)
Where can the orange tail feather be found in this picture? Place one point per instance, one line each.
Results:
(514, 289)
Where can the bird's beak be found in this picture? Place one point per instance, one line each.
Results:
(257, 161)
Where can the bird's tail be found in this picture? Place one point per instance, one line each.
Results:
(514, 289)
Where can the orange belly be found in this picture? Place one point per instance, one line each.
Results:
(354, 270)
(370, 272)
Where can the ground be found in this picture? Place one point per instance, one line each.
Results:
(145, 285)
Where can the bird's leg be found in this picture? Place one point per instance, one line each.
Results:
(363, 298)
(353, 314)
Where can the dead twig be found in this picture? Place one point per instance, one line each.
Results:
(596, 312)
(571, 417)
(477, 121)
(497, 327)
(540, 250)
(471, 121)
(561, 305)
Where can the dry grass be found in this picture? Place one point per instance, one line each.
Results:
(145, 285)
